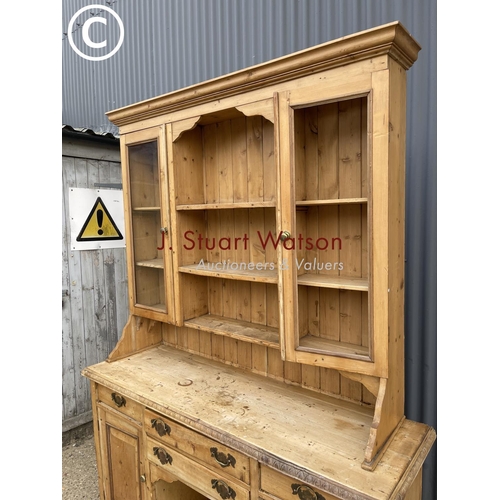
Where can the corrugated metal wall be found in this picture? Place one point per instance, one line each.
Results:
(170, 44)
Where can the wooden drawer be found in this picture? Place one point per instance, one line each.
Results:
(285, 488)
(210, 483)
(121, 403)
(213, 454)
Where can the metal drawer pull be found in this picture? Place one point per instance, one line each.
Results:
(162, 455)
(223, 489)
(160, 426)
(118, 400)
(305, 492)
(222, 459)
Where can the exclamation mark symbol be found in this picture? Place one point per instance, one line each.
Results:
(100, 215)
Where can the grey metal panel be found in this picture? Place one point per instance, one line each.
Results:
(170, 44)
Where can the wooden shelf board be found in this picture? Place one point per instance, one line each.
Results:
(289, 428)
(146, 209)
(222, 206)
(242, 330)
(156, 307)
(338, 201)
(240, 274)
(154, 263)
(328, 281)
(311, 343)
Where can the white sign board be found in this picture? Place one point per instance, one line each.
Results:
(97, 219)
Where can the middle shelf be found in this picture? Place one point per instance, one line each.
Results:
(260, 272)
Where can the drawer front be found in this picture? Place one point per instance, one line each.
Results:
(213, 454)
(121, 403)
(287, 488)
(210, 483)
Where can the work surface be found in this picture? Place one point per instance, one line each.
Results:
(314, 438)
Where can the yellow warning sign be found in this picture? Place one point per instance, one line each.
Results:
(99, 225)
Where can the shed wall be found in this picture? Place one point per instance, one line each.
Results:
(94, 282)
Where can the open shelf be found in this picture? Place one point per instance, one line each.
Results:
(238, 273)
(242, 330)
(146, 209)
(154, 263)
(339, 201)
(319, 345)
(160, 307)
(227, 206)
(340, 282)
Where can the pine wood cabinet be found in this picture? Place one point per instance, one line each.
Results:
(119, 438)
(265, 234)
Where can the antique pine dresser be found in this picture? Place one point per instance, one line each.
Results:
(264, 353)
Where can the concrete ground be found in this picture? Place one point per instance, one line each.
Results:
(79, 469)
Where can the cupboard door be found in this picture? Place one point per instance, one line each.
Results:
(325, 230)
(147, 224)
(121, 462)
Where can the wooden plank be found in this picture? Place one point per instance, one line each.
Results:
(93, 314)
(210, 164)
(119, 265)
(227, 205)
(321, 345)
(350, 149)
(328, 435)
(269, 161)
(255, 159)
(340, 201)
(311, 153)
(328, 158)
(154, 263)
(188, 162)
(329, 313)
(330, 381)
(286, 222)
(224, 162)
(259, 359)
(239, 159)
(71, 304)
(339, 282)
(237, 271)
(328, 228)
(235, 328)
(299, 152)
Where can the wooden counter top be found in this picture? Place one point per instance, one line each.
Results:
(314, 438)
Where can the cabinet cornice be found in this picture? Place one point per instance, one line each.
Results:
(390, 39)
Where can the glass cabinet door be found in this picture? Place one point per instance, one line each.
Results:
(147, 218)
(325, 228)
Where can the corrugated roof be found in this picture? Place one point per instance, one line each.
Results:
(88, 131)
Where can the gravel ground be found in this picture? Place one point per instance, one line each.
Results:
(79, 469)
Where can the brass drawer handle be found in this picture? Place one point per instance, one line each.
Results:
(222, 459)
(223, 489)
(118, 400)
(162, 455)
(160, 426)
(305, 492)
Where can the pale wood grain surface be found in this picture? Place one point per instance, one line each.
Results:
(293, 430)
